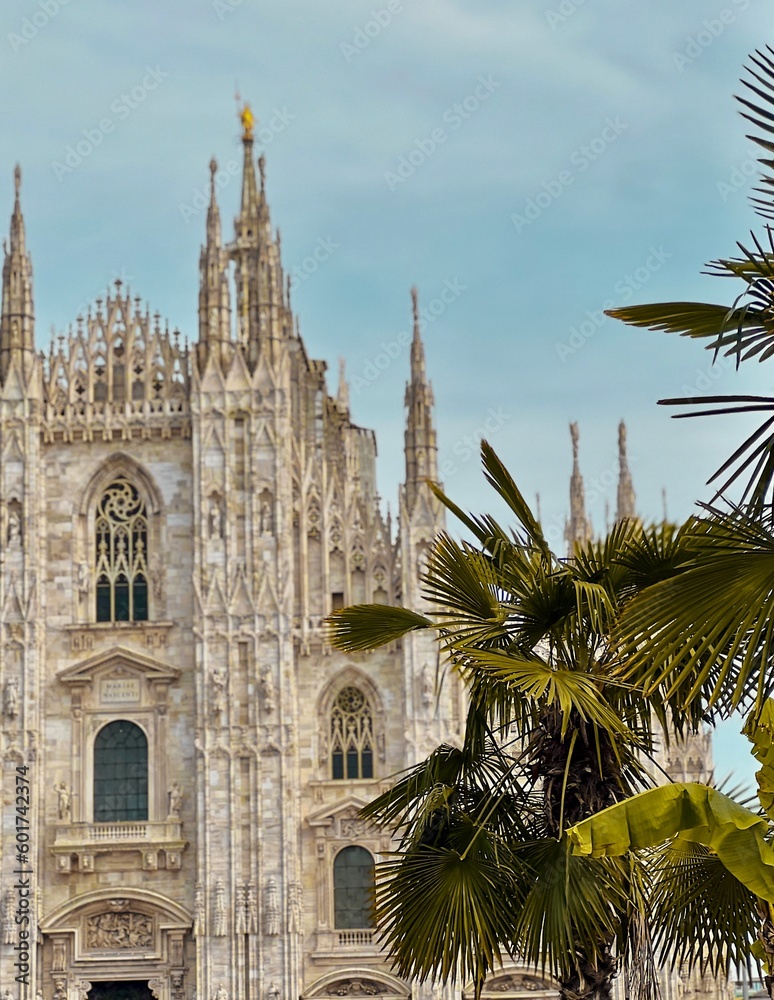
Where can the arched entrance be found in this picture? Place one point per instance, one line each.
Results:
(137, 990)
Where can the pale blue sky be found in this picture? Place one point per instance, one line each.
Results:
(534, 159)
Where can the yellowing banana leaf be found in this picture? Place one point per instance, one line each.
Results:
(760, 732)
(695, 813)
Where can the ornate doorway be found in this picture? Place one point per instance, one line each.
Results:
(120, 991)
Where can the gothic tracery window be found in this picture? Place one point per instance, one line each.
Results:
(120, 773)
(351, 736)
(353, 886)
(121, 528)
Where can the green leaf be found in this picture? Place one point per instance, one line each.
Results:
(367, 626)
(697, 813)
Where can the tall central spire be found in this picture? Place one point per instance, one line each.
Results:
(17, 321)
(262, 315)
(249, 215)
(421, 448)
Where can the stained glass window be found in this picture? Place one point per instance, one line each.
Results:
(120, 773)
(353, 887)
(352, 739)
(122, 555)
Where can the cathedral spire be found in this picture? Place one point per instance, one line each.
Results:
(578, 529)
(342, 396)
(421, 448)
(247, 221)
(17, 321)
(626, 498)
(214, 296)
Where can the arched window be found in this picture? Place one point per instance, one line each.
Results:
(353, 889)
(120, 773)
(122, 554)
(352, 735)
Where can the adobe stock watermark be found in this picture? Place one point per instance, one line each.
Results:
(392, 349)
(323, 250)
(469, 445)
(564, 10)
(31, 26)
(373, 27)
(579, 161)
(224, 7)
(121, 108)
(623, 290)
(712, 28)
(454, 117)
(740, 176)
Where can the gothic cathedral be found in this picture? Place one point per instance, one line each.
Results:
(183, 756)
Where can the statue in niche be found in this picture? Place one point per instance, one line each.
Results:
(266, 682)
(14, 528)
(63, 800)
(83, 578)
(265, 519)
(273, 992)
(11, 698)
(175, 800)
(215, 517)
(221, 993)
(218, 679)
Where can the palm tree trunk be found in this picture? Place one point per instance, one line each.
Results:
(591, 980)
(574, 788)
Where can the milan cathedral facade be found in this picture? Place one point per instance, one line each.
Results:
(183, 756)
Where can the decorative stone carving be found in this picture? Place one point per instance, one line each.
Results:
(265, 514)
(252, 908)
(199, 918)
(295, 898)
(11, 698)
(273, 992)
(83, 989)
(60, 990)
(218, 683)
(240, 910)
(266, 682)
(220, 916)
(221, 993)
(428, 686)
(63, 800)
(215, 517)
(119, 930)
(175, 798)
(14, 529)
(355, 988)
(156, 986)
(271, 908)
(516, 982)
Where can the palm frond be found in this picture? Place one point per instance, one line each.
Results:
(368, 626)
(759, 113)
(704, 916)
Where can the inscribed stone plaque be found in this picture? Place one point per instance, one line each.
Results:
(119, 690)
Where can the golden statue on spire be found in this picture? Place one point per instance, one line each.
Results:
(248, 121)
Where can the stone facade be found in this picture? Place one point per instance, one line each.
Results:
(174, 527)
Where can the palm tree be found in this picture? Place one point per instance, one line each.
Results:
(553, 735)
(745, 329)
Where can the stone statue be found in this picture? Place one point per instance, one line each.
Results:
(219, 929)
(220, 993)
(215, 517)
(63, 800)
(218, 679)
(11, 698)
(14, 528)
(199, 910)
(175, 800)
(265, 522)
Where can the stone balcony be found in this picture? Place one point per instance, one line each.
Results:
(159, 843)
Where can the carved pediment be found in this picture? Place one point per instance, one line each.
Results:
(333, 815)
(517, 984)
(120, 662)
(357, 983)
(126, 929)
